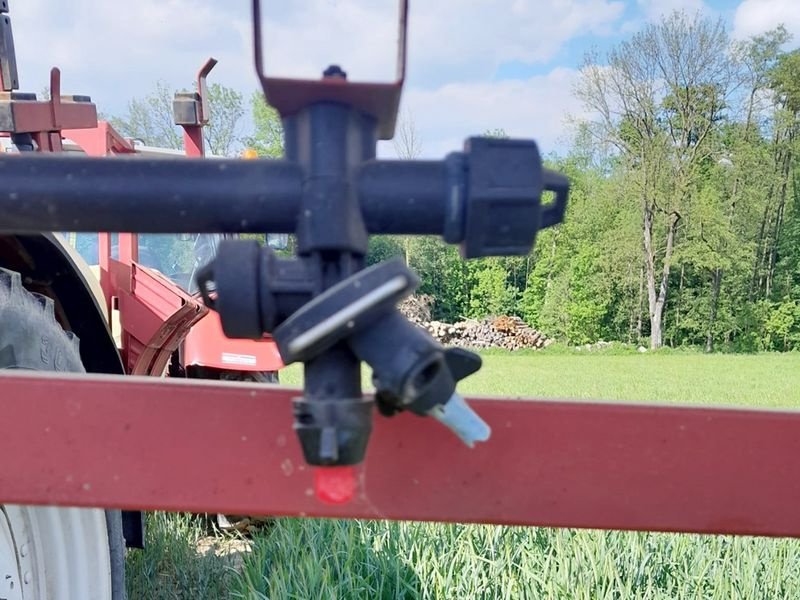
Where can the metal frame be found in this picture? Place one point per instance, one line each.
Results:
(144, 443)
(551, 463)
(290, 96)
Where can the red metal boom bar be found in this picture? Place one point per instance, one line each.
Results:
(150, 444)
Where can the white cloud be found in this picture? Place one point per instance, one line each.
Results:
(472, 40)
(654, 10)
(757, 16)
(448, 39)
(536, 108)
(116, 50)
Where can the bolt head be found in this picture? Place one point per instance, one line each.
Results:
(334, 71)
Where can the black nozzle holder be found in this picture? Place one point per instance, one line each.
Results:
(327, 310)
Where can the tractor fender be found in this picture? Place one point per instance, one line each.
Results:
(50, 266)
(207, 346)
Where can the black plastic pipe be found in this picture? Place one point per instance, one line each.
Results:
(66, 193)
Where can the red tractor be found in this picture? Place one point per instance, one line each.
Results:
(144, 318)
(148, 281)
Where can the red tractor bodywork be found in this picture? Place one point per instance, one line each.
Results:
(157, 317)
(45, 120)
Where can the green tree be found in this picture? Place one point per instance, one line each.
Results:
(150, 120)
(267, 137)
(658, 97)
(383, 247)
(223, 131)
(589, 298)
(782, 327)
(491, 293)
(784, 83)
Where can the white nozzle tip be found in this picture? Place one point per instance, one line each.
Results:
(457, 416)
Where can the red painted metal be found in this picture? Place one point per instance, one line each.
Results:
(155, 444)
(193, 142)
(45, 119)
(156, 316)
(102, 140)
(104, 258)
(128, 248)
(206, 345)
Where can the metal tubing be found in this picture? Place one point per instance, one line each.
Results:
(331, 219)
(404, 197)
(58, 193)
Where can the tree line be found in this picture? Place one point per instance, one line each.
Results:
(683, 227)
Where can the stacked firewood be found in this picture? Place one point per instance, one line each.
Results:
(417, 308)
(511, 333)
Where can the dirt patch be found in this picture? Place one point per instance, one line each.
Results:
(231, 549)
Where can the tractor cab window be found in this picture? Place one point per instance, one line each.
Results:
(278, 241)
(178, 256)
(87, 245)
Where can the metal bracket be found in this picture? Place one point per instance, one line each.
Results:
(379, 100)
(191, 111)
(8, 58)
(202, 89)
(191, 108)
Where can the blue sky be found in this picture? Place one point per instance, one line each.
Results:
(473, 65)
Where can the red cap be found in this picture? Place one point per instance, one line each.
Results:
(335, 485)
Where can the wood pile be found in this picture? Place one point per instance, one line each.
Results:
(417, 308)
(511, 333)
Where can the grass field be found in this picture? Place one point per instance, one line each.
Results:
(294, 558)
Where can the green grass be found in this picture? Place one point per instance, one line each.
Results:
(171, 567)
(308, 558)
(301, 559)
(764, 380)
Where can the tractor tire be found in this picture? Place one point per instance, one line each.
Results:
(51, 552)
(251, 376)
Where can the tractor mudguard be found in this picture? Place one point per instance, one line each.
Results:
(207, 346)
(50, 266)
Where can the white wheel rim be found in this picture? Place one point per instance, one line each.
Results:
(10, 578)
(50, 552)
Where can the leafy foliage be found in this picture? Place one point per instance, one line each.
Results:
(267, 136)
(683, 227)
(150, 120)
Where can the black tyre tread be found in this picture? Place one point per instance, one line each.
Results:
(47, 304)
(31, 338)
